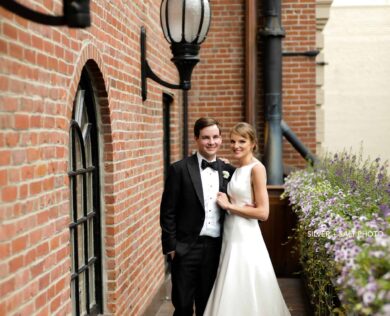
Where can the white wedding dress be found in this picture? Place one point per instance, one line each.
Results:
(246, 283)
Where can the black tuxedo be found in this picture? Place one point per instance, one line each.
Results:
(182, 216)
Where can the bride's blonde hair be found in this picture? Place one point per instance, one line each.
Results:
(247, 131)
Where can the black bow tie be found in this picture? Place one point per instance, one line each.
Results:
(205, 164)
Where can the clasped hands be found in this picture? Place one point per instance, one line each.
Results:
(224, 202)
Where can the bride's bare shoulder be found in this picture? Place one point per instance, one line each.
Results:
(259, 170)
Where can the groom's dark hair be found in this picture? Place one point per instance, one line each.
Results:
(203, 122)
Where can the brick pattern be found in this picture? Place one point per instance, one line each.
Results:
(299, 91)
(40, 71)
(218, 80)
(39, 74)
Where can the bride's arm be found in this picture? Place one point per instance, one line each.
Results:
(260, 210)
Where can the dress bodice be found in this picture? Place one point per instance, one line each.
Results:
(240, 186)
(238, 228)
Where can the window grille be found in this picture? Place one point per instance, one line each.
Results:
(86, 281)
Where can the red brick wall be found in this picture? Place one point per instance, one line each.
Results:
(40, 71)
(40, 68)
(299, 99)
(218, 80)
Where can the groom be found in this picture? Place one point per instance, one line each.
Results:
(191, 220)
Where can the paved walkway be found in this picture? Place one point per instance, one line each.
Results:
(291, 288)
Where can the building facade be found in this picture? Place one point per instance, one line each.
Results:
(82, 157)
(357, 99)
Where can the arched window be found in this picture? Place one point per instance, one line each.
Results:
(86, 280)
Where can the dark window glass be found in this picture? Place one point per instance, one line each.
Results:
(86, 281)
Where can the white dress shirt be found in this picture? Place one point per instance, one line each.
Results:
(210, 184)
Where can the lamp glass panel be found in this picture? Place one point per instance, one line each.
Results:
(175, 18)
(192, 18)
(206, 22)
(163, 18)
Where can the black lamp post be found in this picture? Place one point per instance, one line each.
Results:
(185, 24)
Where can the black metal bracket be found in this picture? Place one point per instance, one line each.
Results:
(147, 72)
(309, 53)
(76, 13)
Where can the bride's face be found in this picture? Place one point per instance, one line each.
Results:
(241, 146)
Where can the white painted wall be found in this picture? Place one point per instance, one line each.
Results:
(337, 3)
(357, 77)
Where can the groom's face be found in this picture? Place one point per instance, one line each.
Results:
(209, 141)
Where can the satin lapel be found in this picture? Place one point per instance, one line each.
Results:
(193, 169)
(220, 174)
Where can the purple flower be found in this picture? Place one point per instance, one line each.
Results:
(347, 200)
(353, 185)
(368, 298)
(385, 209)
(377, 254)
(385, 309)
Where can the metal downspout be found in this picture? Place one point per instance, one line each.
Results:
(273, 34)
(297, 144)
(250, 60)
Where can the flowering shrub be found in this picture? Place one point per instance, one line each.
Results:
(343, 232)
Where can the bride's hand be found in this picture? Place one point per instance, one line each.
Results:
(225, 160)
(223, 200)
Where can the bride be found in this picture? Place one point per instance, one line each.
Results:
(246, 283)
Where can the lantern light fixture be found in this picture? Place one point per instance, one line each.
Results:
(185, 24)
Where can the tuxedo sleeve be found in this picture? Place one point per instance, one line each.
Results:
(168, 206)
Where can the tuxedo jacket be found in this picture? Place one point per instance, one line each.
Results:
(182, 210)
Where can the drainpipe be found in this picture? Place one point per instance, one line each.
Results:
(297, 144)
(273, 34)
(250, 60)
